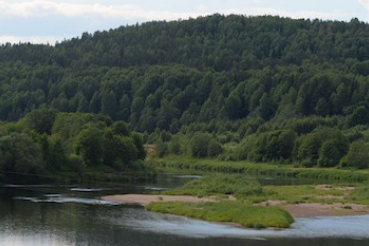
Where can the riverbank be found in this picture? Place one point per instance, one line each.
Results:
(301, 210)
(144, 199)
(192, 165)
(233, 198)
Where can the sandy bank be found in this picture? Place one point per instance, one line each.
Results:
(143, 200)
(317, 209)
(303, 210)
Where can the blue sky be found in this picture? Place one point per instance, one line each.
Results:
(41, 21)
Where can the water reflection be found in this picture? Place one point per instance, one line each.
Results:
(64, 216)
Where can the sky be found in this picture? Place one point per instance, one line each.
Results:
(47, 21)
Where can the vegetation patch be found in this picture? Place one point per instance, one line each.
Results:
(361, 194)
(181, 163)
(220, 184)
(234, 212)
(47, 146)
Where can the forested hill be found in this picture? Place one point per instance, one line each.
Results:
(233, 73)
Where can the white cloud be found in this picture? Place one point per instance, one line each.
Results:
(366, 4)
(47, 8)
(202, 7)
(33, 40)
(50, 8)
(295, 15)
(44, 19)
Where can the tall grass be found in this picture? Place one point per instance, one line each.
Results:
(361, 194)
(180, 163)
(215, 184)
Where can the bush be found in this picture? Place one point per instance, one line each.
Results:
(214, 148)
(76, 163)
(357, 157)
(226, 184)
(174, 146)
(161, 148)
(199, 145)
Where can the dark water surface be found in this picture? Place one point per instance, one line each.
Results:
(74, 215)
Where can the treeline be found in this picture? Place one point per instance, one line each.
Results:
(242, 85)
(306, 142)
(46, 145)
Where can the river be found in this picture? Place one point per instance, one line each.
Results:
(48, 215)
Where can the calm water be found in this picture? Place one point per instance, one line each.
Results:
(74, 215)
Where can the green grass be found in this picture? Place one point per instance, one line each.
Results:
(219, 184)
(249, 193)
(234, 212)
(182, 163)
(304, 194)
(361, 195)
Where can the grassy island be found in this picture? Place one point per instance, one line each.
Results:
(238, 213)
(239, 200)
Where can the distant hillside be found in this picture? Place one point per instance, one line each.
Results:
(233, 73)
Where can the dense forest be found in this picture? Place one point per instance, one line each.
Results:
(46, 145)
(234, 87)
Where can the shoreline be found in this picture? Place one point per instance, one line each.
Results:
(301, 210)
(145, 199)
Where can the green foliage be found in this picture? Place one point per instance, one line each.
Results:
(121, 128)
(234, 212)
(233, 106)
(357, 156)
(30, 154)
(174, 146)
(273, 145)
(168, 75)
(360, 116)
(89, 145)
(215, 184)
(331, 152)
(199, 145)
(221, 84)
(57, 158)
(20, 154)
(41, 120)
(141, 152)
(77, 164)
(180, 163)
(68, 125)
(214, 148)
(161, 148)
(324, 146)
(362, 193)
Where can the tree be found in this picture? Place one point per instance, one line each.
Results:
(109, 104)
(121, 128)
(174, 146)
(118, 151)
(214, 148)
(357, 156)
(199, 145)
(329, 154)
(41, 120)
(324, 146)
(58, 159)
(267, 108)
(286, 143)
(233, 106)
(89, 145)
(360, 116)
(141, 152)
(20, 154)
